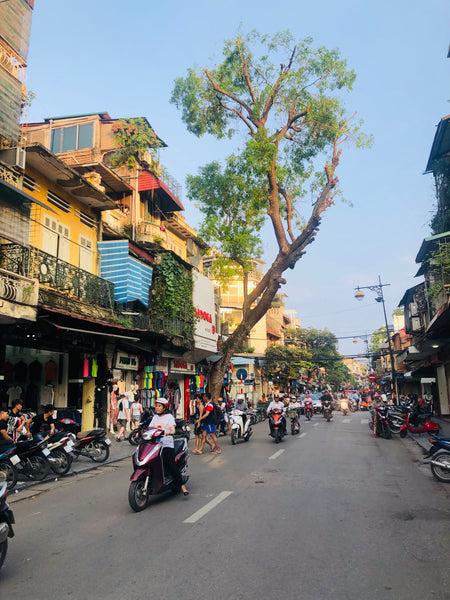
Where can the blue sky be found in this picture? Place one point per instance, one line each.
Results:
(123, 57)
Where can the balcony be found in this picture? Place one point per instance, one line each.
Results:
(57, 275)
(180, 331)
(18, 297)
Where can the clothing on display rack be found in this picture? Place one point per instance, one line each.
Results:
(50, 370)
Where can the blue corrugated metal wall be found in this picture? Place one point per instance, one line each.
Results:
(131, 278)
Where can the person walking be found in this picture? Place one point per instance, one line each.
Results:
(198, 430)
(136, 413)
(208, 427)
(122, 416)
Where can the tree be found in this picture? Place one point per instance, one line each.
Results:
(322, 348)
(286, 97)
(285, 362)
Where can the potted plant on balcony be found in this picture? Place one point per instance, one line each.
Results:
(134, 138)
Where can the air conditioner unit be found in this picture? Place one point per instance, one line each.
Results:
(413, 310)
(416, 324)
(13, 157)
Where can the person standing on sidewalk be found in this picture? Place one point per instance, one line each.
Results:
(208, 427)
(122, 416)
(198, 430)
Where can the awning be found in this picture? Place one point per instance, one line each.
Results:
(169, 201)
(10, 192)
(90, 332)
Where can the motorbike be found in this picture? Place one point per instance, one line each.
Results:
(344, 407)
(60, 446)
(8, 472)
(148, 478)
(94, 444)
(383, 427)
(417, 422)
(308, 410)
(277, 425)
(135, 436)
(440, 458)
(238, 429)
(33, 455)
(182, 429)
(397, 417)
(327, 410)
(6, 523)
(293, 415)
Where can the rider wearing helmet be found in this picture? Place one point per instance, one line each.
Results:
(165, 421)
(242, 405)
(277, 402)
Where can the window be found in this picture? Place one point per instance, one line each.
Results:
(75, 137)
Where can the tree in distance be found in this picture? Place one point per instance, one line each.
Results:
(287, 97)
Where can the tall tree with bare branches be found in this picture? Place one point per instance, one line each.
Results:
(287, 97)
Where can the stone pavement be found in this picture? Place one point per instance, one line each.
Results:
(422, 438)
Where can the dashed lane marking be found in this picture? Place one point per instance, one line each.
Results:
(276, 455)
(208, 507)
(302, 435)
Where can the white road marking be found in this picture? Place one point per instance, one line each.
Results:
(203, 511)
(302, 435)
(276, 455)
(364, 421)
(315, 424)
(346, 420)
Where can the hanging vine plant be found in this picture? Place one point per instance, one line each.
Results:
(134, 137)
(171, 291)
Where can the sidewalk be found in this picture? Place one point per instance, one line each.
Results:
(26, 488)
(422, 438)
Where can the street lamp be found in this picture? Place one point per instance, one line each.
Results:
(378, 289)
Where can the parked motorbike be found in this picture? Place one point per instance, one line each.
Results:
(135, 436)
(417, 422)
(383, 429)
(277, 424)
(239, 430)
(94, 444)
(440, 458)
(327, 410)
(60, 446)
(293, 415)
(148, 478)
(182, 429)
(8, 472)
(308, 409)
(344, 406)
(6, 523)
(397, 417)
(33, 456)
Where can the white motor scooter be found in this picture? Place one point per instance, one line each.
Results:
(238, 429)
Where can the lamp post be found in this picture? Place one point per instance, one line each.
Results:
(378, 289)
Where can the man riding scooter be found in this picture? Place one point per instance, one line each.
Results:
(277, 403)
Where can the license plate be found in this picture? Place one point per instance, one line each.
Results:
(14, 459)
(107, 441)
(46, 451)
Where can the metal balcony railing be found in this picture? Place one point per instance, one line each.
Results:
(57, 274)
(15, 288)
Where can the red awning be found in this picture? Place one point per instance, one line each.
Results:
(169, 201)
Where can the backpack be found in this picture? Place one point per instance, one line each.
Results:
(217, 413)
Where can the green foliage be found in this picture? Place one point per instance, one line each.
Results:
(171, 291)
(378, 336)
(134, 137)
(286, 95)
(287, 361)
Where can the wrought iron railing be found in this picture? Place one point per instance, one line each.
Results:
(57, 274)
(159, 324)
(15, 288)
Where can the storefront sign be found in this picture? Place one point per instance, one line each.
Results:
(162, 365)
(126, 362)
(181, 366)
(205, 336)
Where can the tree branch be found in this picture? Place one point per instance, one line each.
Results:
(249, 85)
(270, 100)
(238, 101)
(285, 195)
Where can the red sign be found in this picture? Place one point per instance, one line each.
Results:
(372, 376)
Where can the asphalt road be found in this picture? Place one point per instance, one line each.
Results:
(330, 514)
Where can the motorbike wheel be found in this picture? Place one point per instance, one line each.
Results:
(441, 473)
(63, 462)
(234, 436)
(387, 432)
(293, 429)
(403, 433)
(135, 437)
(277, 436)
(98, 451)
(9, 474)
(37, 468)
(3, 551)
(395, 427)
(137, 498)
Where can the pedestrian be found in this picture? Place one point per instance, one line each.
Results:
(208, 427)
(136, 413)
(43, 425)
(223, 408)
(122, 416)
(198, 429)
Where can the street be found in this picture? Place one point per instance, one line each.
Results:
(330, 514)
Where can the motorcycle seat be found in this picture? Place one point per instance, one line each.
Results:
(83, 434)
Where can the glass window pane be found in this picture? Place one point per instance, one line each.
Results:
(56, 141)
(85, 136)
(69, 138)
